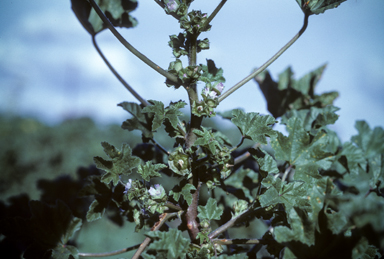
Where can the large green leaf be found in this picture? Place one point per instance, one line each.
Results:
(149, 170)
(121, 163)
(160, 113)
(370, 141)
(206, 139)
(302, 229)
(210, 210)
(306, 154)
(293, 194)
(183, 190)
(289, 94)
(318, 6)
(254, 126)
(140, 120)
(171, 242)
(117, 11)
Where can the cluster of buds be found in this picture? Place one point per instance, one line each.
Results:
(210, 101)
(178, 162)
(187, 75)
(195, 22)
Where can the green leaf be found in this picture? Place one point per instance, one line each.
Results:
(254, 126)
(313, 118)
(121, 163)
(140, 120)
(307, 155)
(370, 141)
(288, 94)
(318, 6)
(210, 210)
(206, 139)
(293, 194)
(267, 165)
(150, 170)
(240, 180)
(65, 252)
(172, 242)
(185, 191)
(211, 73)
(160, 113)
(117, 11)
(302, 229)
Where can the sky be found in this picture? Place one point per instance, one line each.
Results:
(50, 70)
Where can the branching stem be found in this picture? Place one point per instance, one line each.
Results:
(244, 156)
(236, 241)
(126, 44)
(129, 88)
(227, 225)
(213, 14)
(162, 219)
(266, 64)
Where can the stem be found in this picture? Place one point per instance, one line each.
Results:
(238, 145)
(116, 252)
(244, 156)
(227, 225)
(129, 88)
(160, 147)
(237, 241)
(286, 173)
(213, 14)
(266, 64)
(191, 215)
(126, 44)
(163, 218)
(173, 206)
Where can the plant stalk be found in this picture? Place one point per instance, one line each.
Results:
(266, 64)
(126, 44)
(117, 75)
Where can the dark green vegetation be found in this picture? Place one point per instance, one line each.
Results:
(186, 189)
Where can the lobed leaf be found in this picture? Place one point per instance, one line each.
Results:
(318, 6)
(171, 242)
(254, 126)
(117, 11)
(121, 163)
(140, 120)
(210, 210)
(149, 170)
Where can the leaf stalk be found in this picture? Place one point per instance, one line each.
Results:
(266, 64)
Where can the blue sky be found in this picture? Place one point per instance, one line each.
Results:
(50, 70)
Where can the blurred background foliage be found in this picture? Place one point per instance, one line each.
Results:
(41, 162)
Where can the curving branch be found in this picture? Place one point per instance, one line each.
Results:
(237, 241)
(126, 44)
(116, 252)
(213, 14)
(163, 218)
(266, 64)
(126, 85)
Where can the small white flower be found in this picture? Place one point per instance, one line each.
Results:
(219, 87)
(157, 192)
(212, 94)
(172, 5)
(128, 186)
(206, 91)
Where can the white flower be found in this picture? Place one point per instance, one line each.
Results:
(158, 192)
(172, 5)
(206, 91)
(212, 94)
(219, 87)
(128, 186)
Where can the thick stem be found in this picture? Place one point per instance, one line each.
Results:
(237, 241)
(126, 44)
(191, 215)
(126, 85)
(162, 219)
(266, 64)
